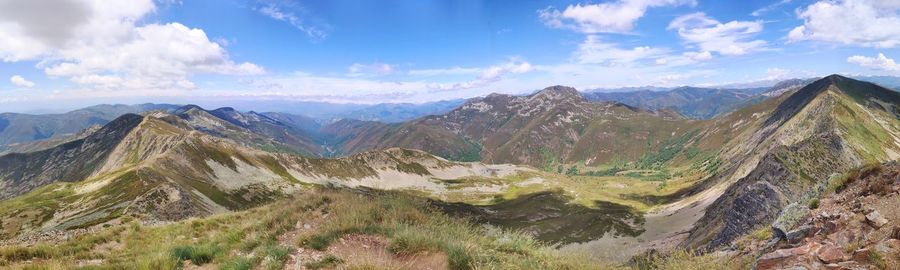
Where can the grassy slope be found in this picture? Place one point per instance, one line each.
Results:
(253, 237)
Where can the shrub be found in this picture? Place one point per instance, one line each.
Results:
(814, 203)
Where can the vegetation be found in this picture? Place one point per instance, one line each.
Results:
(256, 237)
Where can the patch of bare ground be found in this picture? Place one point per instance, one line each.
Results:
(354, 251)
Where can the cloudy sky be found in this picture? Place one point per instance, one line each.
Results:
(63, 52)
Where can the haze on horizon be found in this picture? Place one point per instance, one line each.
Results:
(70, 53)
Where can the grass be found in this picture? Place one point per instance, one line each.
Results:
(250, 239)
(687, 260)
(329, 261)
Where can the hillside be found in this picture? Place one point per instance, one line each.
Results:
(552, 127)
(159, 168)
(18, 129)
(826, 127)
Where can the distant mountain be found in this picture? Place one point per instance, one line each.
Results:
(157, 167)
(301, 122)
(18, 128)
(400, 112)
(251, 129)
(553, 126)
(891, 82)
(325, 112)
(693, 102)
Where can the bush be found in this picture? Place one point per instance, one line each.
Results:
(814, 203)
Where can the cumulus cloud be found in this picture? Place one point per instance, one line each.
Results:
(610, 17)
(869, 23)
(20, 81)
(594, 51)
(105, 47)
(877, 63)
(710, 35)
(281, 11)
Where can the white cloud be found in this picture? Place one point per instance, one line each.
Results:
(610, 17)
(595, 51)
(759, 12)
(710, 35)
(444, 71)
(376, 68)
(776, 74)
(487, 76)
(869, 23)
(877, 63)
(20, 81)
(106, 48)
(278, 10)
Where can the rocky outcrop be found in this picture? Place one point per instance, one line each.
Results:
(840, 233)
(779, 179)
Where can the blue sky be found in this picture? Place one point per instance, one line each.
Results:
(93, 51)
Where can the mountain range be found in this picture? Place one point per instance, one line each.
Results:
(645, 171)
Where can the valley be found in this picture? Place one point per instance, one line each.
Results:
(515, 181)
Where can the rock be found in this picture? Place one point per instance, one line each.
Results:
(799, 234)
(895, 233)
(862, 255)
(843, 238)
(875, 219)
(833, 266)
(789, 217)
(830, 254)
(780, 258)
(829, 227)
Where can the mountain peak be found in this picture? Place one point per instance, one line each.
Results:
(558, 92)
(187, 108)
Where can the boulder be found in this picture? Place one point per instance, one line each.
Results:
(781, 258)
(799, 234)
(789, 217)
(875, 219)
(830, 254)
(862, 255)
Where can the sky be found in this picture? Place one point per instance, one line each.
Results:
(66, 53)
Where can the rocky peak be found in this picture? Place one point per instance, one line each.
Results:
(558, 92)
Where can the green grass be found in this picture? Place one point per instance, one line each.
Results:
(329, 261)
(250, 239)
